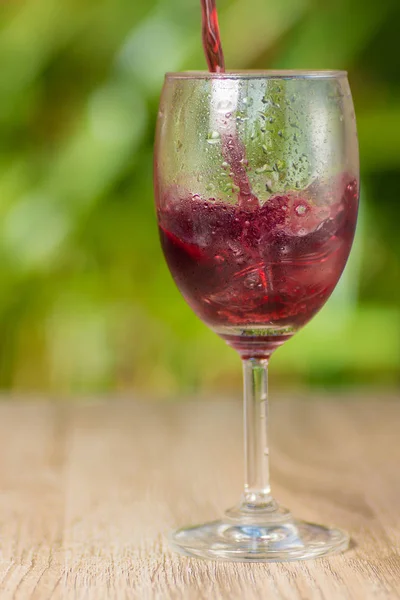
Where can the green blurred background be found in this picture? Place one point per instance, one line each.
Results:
(86, 301)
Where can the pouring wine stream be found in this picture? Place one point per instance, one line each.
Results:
(222, 117)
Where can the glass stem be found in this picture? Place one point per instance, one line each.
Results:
(257, 490)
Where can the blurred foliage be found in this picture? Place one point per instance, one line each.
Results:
(86, 300)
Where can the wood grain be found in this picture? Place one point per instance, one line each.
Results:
(88, 490)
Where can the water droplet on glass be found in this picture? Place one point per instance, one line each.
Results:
(300, 210)
(224, 106)
(280, 165)
(351, 189)
(213, 137)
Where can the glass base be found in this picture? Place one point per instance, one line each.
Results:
(279, 538)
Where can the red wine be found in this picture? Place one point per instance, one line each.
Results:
(261, 270)
(211, 37)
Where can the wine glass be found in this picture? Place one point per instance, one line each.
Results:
(256, 185)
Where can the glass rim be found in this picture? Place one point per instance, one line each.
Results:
(259, 74)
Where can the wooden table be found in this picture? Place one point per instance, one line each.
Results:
(88, 490)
